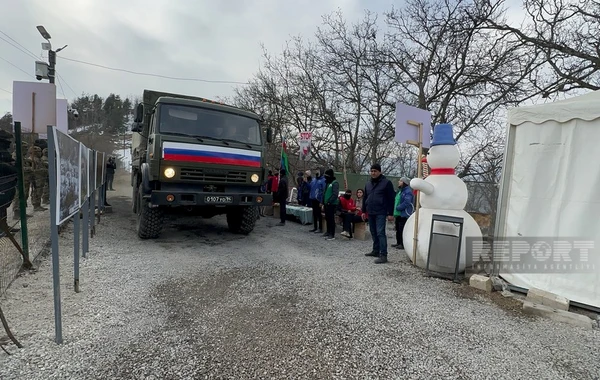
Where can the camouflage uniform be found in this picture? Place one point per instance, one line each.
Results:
(40, 176)
(46, 186)
(27, 176)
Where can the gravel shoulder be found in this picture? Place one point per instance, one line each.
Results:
(200, 302)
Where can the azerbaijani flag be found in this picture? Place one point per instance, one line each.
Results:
(284, 158)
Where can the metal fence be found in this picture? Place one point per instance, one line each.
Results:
(482, 204)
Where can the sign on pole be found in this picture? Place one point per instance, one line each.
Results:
(407, 125)
(305, 142)
(413, 126)
(34, 105)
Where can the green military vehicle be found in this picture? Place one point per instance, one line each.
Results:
(195, 156)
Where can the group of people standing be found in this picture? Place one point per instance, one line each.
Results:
(378, 203)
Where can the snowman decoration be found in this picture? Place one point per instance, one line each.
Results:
(442, 193)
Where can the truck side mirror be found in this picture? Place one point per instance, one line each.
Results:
(139, 113)
(269, 135)
(136, 127)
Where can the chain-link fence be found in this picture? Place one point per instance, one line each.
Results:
(31, 237)
(482, 203)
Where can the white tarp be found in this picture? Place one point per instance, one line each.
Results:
(551, 187)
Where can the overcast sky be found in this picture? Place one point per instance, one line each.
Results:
(213, 40)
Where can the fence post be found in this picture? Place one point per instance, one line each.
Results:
(21, 189)
(53, 167)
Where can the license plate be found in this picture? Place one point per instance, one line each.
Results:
(218, 199)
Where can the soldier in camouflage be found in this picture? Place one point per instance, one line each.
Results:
(46, 187)
(40, 176)
(27, 179)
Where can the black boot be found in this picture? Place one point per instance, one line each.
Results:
(372, 254)
(381, 260)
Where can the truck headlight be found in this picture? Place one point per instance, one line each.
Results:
(254, 178)
(169, 172)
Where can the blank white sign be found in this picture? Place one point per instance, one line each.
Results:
(38, 95)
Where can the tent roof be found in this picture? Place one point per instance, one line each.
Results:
(583, 107)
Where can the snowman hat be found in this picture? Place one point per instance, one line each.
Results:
(442, 135)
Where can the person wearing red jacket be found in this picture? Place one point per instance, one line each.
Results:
(350, 212)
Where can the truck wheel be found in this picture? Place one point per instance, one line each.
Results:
(149, 220)
(241, 220)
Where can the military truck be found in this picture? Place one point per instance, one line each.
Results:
(194, 156)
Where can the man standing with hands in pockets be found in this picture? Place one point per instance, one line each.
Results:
(378, 203)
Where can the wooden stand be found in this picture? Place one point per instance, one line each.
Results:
(419, 145)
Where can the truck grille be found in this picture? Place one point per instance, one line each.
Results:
(201, 176)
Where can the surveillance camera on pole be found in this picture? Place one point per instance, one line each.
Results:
(51, 55)
(41, 70)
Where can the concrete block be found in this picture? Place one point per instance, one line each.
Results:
(557, 315)
(545, 298)
(481, 282)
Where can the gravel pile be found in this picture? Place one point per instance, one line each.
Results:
(281, 303)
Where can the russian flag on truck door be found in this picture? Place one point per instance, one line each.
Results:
(210, 154)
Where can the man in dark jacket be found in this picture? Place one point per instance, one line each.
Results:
(330, 201)
(282, 193)
(8, 176)
(379, 205)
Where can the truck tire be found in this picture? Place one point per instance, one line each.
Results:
(149, 220)
(242, 220)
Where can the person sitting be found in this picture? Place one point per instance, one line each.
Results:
(350, 212)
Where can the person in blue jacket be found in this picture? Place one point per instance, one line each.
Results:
(317, 189)
(403, 209)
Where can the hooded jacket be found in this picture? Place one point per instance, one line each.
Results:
(332, 190)
(317, 188)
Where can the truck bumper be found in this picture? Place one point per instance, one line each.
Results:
(170, 198)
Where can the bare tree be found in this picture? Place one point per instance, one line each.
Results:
(565, 32)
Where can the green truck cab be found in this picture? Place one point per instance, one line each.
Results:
(194, 156)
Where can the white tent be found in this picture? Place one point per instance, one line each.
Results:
(550, 189)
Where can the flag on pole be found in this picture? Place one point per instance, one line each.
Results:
(284, 157)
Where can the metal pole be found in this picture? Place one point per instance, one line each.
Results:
(21, 189)
(86, 223)
(52, 169)
(51, 65)
(76, 242)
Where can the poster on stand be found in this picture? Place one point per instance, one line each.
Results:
(99, 169)
(305, 143)
(83, 174)
(68, 175)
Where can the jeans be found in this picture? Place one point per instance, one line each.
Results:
(109, 180)
(377, 225)
(316, 211)
(349, 220)
(400, 223)
(330, 219)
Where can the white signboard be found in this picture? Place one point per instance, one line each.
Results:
(305, 143)
(34, 105)
(406, 131)
(62, 118)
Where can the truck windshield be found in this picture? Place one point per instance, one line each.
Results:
(194, 121)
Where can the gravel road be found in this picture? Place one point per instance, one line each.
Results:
(281, 303)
